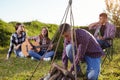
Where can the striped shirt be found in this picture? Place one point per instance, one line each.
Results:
(86, 46)
(16, 40)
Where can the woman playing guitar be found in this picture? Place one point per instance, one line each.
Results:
(43, 40)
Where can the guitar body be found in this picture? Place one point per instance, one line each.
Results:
(26, 46)
(36, 44)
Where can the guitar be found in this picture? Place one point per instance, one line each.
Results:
(33, 46)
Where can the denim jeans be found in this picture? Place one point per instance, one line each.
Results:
(104, 44)
(41, 54)
(19, 53)
(93, 68)
(93, 64)
(69, 54)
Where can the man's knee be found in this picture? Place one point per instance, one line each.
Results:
(21, 54)
(69, 49)
(93, 75)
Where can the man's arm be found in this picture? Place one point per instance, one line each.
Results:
(64, 58)
(10, 48)
(93, 25)
(81, 49)
(77, 59)
(17, 47)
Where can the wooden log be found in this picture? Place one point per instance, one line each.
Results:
(55, 76)
(64, 71)
(60, 77)
(53, 71)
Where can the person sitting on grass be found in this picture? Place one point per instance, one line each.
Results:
(45, 53)
(16, 41)
(86, 49)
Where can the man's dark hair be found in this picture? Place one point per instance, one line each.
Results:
(17, 25)
(103, 15)
(64, 28)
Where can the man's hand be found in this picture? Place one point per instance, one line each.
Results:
(101, 38)
(7, 57)
(94, 25)
(17, 47)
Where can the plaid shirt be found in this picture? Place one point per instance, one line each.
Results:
(15, 40)
(87, 46)
(109, 32)
(41, 41)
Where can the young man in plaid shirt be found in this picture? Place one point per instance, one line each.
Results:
(16, 40)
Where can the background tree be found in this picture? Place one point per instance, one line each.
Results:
(113, 11)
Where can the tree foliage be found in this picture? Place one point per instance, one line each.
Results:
(113, 11)
(5, 32)
(32, 28)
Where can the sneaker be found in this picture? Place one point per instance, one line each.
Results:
(47, 59)
(32, 58)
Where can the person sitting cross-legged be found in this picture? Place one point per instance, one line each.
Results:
(46, 52)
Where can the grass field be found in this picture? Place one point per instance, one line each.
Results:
(22, 68)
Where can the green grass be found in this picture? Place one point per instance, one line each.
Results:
(111, 69)
(22, 68)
